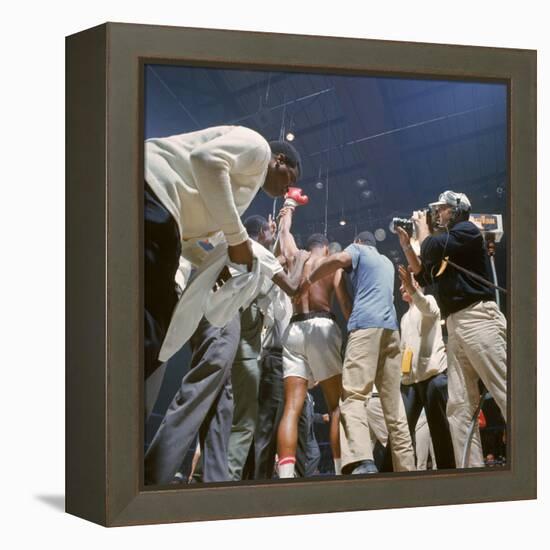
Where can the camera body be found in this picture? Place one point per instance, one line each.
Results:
(404, 223)
(408, 225)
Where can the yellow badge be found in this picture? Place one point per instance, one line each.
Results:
(406, 361)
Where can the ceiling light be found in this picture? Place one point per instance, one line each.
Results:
(361, 182)
(319, 185)
(342, 222)
(290, 136)
(380, 234)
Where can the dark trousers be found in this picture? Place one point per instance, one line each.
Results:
(162, 250)
(307, 442)
(203, 405)
(431, 395)
(271, 405)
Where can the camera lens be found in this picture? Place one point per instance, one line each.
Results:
(404, 223)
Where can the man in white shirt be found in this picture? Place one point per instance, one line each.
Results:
(197, 185)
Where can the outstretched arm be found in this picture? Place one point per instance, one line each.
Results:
(427, 305)
(342, 294)
(326, 267)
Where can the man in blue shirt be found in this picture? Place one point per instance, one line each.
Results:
(372, 356)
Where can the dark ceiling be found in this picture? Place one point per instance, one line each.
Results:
(372, 148)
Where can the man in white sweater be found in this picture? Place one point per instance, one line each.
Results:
(197, 185)
(424, 368)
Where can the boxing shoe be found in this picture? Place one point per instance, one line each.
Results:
(295, 198)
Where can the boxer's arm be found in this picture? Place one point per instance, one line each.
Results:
(287, 243)
(290, 283)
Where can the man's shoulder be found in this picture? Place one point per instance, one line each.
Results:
(352, 248)
(360, 249)
(251, 136)
(239, 135)
(466, 226)
(262, 252)
(315, 261)
(430, 299)
(386, 260)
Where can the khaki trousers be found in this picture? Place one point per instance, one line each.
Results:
(423, 444)
(476, 349)
(373, 356)
(376, 420)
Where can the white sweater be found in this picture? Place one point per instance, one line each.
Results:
(207, 179)
(421, 332)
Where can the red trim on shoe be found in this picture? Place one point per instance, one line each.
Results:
(287, 460)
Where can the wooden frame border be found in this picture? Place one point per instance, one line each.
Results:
(104, 172)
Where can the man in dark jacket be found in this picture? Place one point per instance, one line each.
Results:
(475, 325)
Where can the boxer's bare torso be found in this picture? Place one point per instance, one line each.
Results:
(320, 295)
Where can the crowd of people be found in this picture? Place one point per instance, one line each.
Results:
(257, 313)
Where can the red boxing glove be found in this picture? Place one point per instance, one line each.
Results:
(295, 198)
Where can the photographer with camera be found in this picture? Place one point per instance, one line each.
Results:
(454, 258)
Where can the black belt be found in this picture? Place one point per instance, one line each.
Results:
(312, 315)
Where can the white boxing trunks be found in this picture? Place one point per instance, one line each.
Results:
(312, 347)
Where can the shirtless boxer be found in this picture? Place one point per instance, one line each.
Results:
(311, 347)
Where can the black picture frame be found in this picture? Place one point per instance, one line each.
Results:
(104, 178)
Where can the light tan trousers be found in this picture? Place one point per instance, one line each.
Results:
(423, 444)
(476, 349)
(376, 420)
(373, 356)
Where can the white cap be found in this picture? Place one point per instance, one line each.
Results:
(457, 200)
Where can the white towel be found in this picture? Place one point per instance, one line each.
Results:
(218, 307)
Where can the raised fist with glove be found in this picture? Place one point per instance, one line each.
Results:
(295, 198)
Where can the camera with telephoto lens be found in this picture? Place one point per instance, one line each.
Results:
(404, 223)
(408, 225)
